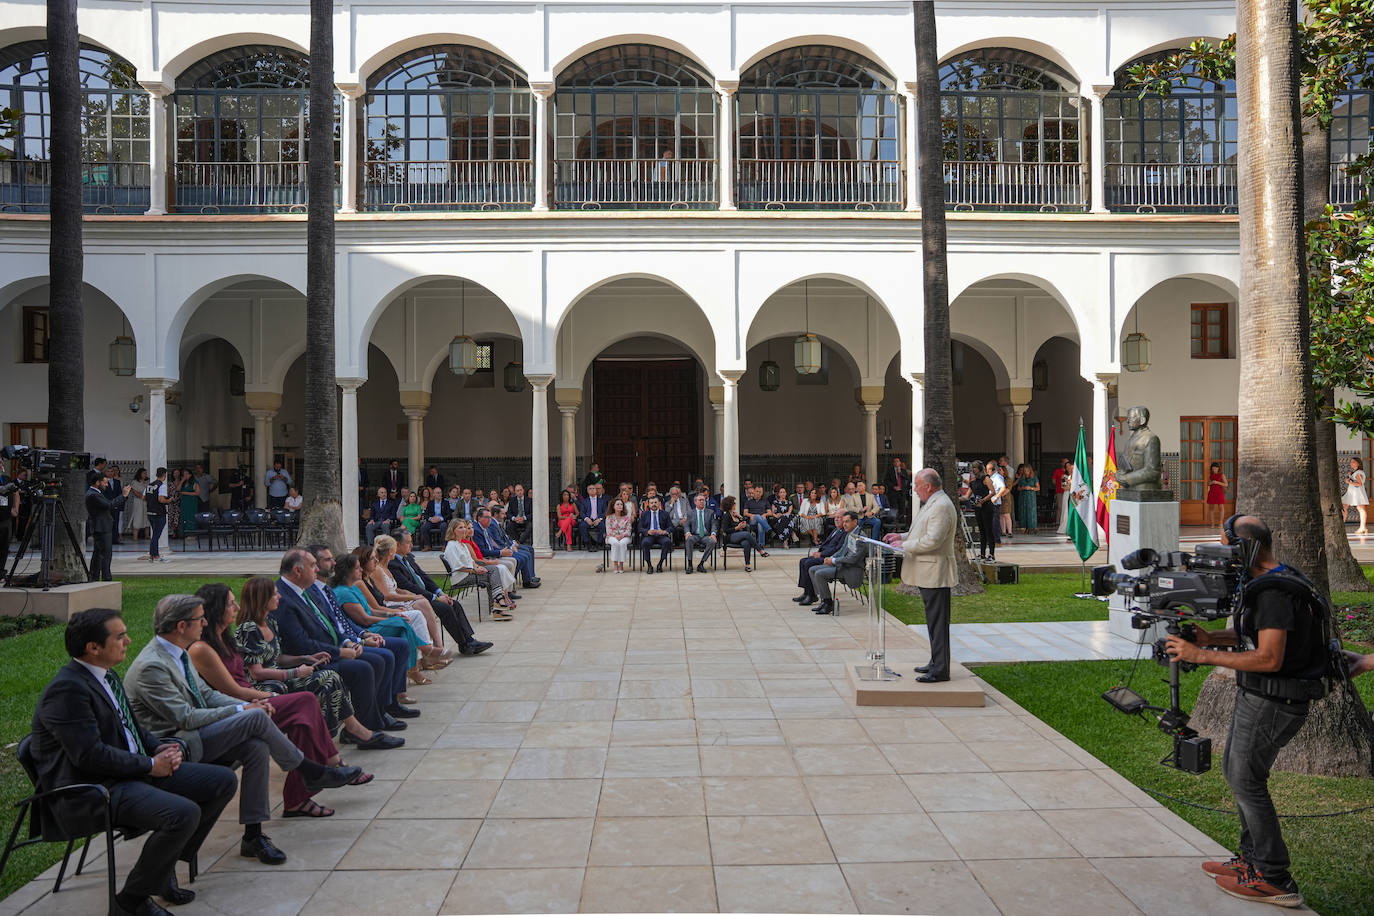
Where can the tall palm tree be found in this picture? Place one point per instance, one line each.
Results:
(66, 345)
(322, 515)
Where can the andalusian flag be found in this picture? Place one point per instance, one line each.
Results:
(1107, 491)
(1082, 519)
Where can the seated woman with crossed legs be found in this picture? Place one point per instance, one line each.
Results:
(384, 547)
(734, 529)
(363, 608)
(467, 569)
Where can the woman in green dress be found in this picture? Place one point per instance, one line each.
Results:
(190, 501)
(272, 671)
(1027, 493)
(410, 514)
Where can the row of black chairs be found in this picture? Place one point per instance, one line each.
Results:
(251, 529)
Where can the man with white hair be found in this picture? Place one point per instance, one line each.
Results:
(931, 564)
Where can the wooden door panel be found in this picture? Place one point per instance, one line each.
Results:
(646, 420)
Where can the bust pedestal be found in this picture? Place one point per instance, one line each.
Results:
(1139, 518)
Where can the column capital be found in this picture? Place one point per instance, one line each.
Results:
(727, 87)
(869, 396)
(265, 416)
(352, 91)
(540, 382)
(157, 88)
(716, 395)
(917, 380)
(263, 400)
(415, 413)
(542, 89)
(567, 398)
(1106, 378)
(731, 376)
(909, 87)
(1098, 90)
(158, 384)
(1013, 396)
(414, 399)
(350, 384)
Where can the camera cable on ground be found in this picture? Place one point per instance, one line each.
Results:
(1232, 811)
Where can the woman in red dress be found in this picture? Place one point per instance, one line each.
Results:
(1217, 485)
(567, 515)
(298, 715)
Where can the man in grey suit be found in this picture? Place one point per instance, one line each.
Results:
(931, 565)
(171, 700)
(847, 565)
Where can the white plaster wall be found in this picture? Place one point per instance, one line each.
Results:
(799, 418)
(1067, 399)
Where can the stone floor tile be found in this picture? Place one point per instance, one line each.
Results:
(575, 710)
(547, 798)
(568, 734)
(1048, 789)
(738, 731)
(307, 847)
(831, 707)
(1034, 754)
(948, 888)
(941, 757)
(515, 890)
(441, 798)
(668, 688)
(963, 792)
(393, 764)
(1034, 888)
(582, 690)
(733, 708)
(996, 729)
(797, 687)
(481, 734)
(874, 794)
(832, 760)
(885, 838)
(285, 894)
(731, 760)
(848, 731)
(650, 841)
(783, 889)
(631, 761)
(503, 691)
(654, 672)
(531, 842)
(654, 708)
(1167, 887)
(1001, 835)
(768, 840)
(654, 732)
(654, 796)
(417, 844)
(558, 763)
(1107, 832)
(464, 763)
(369, 892)
(649, 889)
(746, 795)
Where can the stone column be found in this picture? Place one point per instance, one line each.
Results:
(568, 401)
(716, 395)
(1098, 165)
(157, 438)
(348, 148)
(1018, 433)
(415, 405)
(348, 460)
(157, 148)
(729, 454)
(542, 164)
(918, 420)
(1014, 401)
(539, 462)
(870, 398)
(725, 89)
(263, 405)
(913, 181)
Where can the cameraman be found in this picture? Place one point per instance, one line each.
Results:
(1279, 659)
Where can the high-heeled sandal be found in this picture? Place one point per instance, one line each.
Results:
(435, 664)
(418, 679)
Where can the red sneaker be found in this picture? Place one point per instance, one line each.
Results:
(1251, 885)
(1232, 866)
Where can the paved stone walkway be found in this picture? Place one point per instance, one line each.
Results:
(1059, 641)
(640, 743)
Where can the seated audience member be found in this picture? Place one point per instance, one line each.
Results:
(677, 506)
(399, 613)
(835, 502)
(306, 628)
(856, 476)
(169, 697)
(293, 500)
(465, 570)
(783, 517)
(868, 511)
(434, 479)
(372, 617)
(219, 663)
(433, 520)
(734, 531)
(85, 733)
(846, 564)
(712, 499)
(504, 567)
(759, 510)
(815, 558)
(653, 532)
(411, 513)
(592, 525)
(627, 493)
(491, 537)
(811, 514)
(427, 624)
(452, 503)
(518, 509)
(382, 518)
(700, 526)
(619, 529)
(411, 579)
(886, 511)
(567, 517)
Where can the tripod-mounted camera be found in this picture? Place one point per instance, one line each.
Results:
(45, 491)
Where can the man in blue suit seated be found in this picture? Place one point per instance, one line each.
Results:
(85, 733)
(699, 532)
(591, 517)
(817, 557)
(305, 629)
(846, 564)
(384, 509)
(654, 526)
(411, 578)
(491, 536)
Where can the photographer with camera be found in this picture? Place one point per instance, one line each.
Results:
(101, 508)
(1279, 654)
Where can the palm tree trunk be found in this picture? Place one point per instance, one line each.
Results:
(66, 345)
(322, 515)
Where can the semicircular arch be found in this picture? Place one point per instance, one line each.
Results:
(1136, 287)
(695, 55)
(990, 355)
(380, 58)
(846, 42)
(1123, 55)
(1048, 52)
(198, 50)
(192, 298)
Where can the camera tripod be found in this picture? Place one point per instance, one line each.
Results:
(47, 513)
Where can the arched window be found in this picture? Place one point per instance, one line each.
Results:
(448, 127)
(241, 129)
(818, 126)
(114, 131)
(1171, 152)
(1351, 125)
(635, 125)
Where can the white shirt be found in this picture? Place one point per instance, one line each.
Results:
(459, 556)
(99, 675)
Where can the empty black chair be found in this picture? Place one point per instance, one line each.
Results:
(203, 530)
(253, 530)
(226, 530)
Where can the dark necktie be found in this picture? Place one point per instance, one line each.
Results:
(324, 621)
(126, 715)
(191, 680)
(701, 523)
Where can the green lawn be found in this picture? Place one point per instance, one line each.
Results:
(1333, 858)
(27, 663)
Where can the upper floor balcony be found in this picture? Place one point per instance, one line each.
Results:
(637, 126)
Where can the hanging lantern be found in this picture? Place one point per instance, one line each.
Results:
(1135, 352)
(122, 356)
(770, 375)
(807, 354)
(1040, 375)
(514, 377)
(237, 379)
(462, 355)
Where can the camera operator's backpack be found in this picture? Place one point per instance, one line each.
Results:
(1294, 583)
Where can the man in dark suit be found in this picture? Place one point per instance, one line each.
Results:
(897, 480)
(518, 515)
(846, 564)
(384, 509)
(84, 732)
(305, 629)
(434, 478)
(410, 577)
(434, 521)
(594, 478)
(490, 535)
(653, 532)
(393, 479)
(101, 507)
(591, 513)
(817, 557)
(699, 532)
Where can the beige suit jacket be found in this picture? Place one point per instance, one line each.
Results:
(930, 548)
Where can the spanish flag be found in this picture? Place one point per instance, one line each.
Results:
(1107, 492)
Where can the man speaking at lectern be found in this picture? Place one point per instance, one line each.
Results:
(931, 564)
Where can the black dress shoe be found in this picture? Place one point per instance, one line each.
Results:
(175, 895)
(659, 567)
(807, 600)
(825, 607)
(402, 712)
(261, 848)
(648, 570)
(380, 741)
(701, 567)
(931, 679)
(145, 907)
(689, 569)
(531, 583)
(800, 598)
(392, 724)
(332, 778)
(922, 669)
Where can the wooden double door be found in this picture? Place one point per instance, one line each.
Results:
(646, 421)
